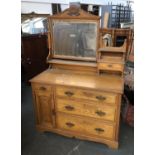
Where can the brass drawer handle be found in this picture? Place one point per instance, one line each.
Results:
(69, 124)
(69, 93)
(100, 97)
(100, 113)
(99, 130)
(42, 88)
(68, 107)
(109, 65)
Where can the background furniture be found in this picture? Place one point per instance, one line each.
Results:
(34, 54)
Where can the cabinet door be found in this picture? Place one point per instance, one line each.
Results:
(43, 108)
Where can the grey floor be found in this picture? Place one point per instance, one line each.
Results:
(35, 143)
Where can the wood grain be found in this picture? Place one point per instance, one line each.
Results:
(96, 96)
(109, 83)
(85, 125)
(90, 109)
(111, 66)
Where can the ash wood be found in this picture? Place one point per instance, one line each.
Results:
(119, 98)
(76, 69)
(71, 98)
(111, 66)
(114, 49)
(42, 88)
(83, 15)
(71, 93)
(118, 32)
(50, 102)
(111, 143)
(85, 125)
(112, 59)
(43, 109)
(108, 83)
(81, 67)
(93, 110)
(70, 62)
(74, 58)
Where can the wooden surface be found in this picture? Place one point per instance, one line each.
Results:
(109, 83)
(73, 100)
(85, 125)
(114, 49)
(43, 108)
(71, 62)
(83, 15)
(97, 96)
(79, 105)
(112, 59)
(111, 66)
(97, 110)
(115, 32)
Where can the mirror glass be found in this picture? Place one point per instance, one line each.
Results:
(75, 39)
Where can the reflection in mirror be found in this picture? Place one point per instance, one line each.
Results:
(34, 25)
(75, 39)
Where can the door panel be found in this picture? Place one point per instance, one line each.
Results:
(44, 110)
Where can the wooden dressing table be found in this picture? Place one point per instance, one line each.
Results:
(72, 98)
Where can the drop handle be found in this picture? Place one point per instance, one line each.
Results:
(70, 108)
(69, 93)
(69, 124)
(100, 113)
(99, 130)
(100, 98)
(42, 88)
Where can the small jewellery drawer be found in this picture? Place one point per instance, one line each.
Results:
(41, 88)
(95, 110)
(84, 125)
(110, 66)
(69, 93)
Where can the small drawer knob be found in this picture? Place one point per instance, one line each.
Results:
(69, 124)
(110, 65)
(70, 108)
(69, 93)
(100, 113)
(42, 88)
(99, 130)
(100, 98)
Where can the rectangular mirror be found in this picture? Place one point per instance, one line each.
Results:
(75, 39)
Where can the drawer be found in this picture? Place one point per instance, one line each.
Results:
(41, 88)
(111, 67)
(84, 125)
(71, 93)
(86, 109)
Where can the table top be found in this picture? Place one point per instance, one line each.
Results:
(109, 83)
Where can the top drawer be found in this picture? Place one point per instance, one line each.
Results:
(71, 93)
(41, 88)
(111, 67)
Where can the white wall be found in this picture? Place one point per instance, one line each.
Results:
(64, 6)
(44, 6)
(28, 7)
(97, 2)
